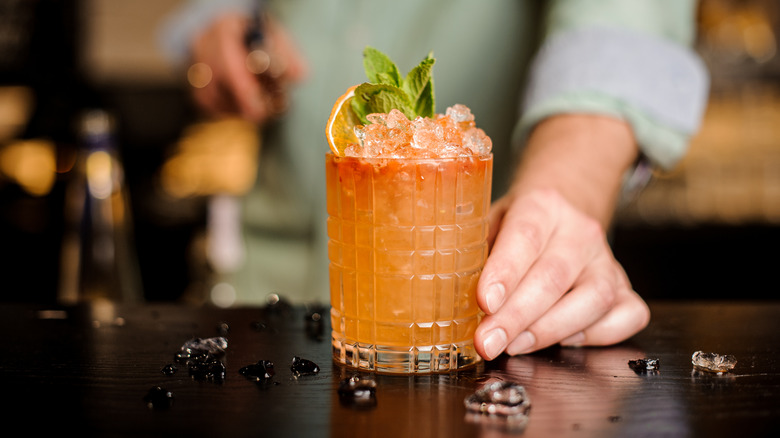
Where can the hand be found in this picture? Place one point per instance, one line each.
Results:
(551, 276)
(233, 89)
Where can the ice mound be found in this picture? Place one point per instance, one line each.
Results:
(393, 135)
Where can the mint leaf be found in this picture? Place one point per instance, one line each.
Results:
(387, 79)
(380, 69)
(418, 85)
(424, 106)
(386, 90)
(380, 98)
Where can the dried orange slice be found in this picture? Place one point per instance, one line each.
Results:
(340, 129)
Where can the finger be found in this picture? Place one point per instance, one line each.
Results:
(628, 317)
(208, 100)
(295, 66)
(241, 84)
(234, 88)
(569, 251)
(525, 229)
(214, 101)
(552, 275)
(592, 297)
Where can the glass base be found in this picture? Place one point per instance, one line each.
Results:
(405, 360)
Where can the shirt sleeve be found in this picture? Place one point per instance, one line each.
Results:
(629, 59)
(191, 17)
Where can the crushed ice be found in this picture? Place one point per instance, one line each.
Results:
(393, 135)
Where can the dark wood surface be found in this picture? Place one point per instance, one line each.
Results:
(86, 369)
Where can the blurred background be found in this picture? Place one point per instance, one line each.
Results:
(708, 229)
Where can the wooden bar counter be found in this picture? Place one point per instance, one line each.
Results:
(87, 370)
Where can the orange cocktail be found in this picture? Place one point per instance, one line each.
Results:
(408, 240)
(408, 192)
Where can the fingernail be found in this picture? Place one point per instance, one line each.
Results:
(494, 343)
(574, 340)
(522, 343)
(495, 297)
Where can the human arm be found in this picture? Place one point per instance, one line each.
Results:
(212, 36)
(601, 96)
(234, 89)
(551, 276)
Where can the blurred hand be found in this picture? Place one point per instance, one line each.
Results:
(233, 89)
(551, 276)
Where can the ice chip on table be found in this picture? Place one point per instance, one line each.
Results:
(499, 404)
(200, 355)
(713, 362)
(207, 368)
(215, 346)
(170, 369)
(261, 371)
(158, 398)
(645, 366)
(302, 367)
(499, 398)
(359, 392)
(448, 135)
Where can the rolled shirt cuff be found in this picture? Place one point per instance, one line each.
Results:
(660, 88)
(192, 17)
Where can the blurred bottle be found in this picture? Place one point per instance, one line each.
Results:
(98, 256)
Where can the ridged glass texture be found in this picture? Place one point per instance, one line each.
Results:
(407, 243)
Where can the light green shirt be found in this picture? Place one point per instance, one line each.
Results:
(483, 52)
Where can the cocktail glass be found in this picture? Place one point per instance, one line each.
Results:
(407, 243)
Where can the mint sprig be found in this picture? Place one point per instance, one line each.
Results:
(387, 90)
